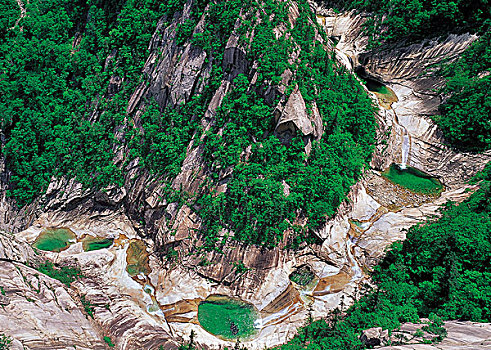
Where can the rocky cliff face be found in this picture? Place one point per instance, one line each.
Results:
(158, 305)
(460, 336)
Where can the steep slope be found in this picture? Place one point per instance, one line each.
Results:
(238, 101)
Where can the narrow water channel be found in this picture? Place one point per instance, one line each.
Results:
(385, 95)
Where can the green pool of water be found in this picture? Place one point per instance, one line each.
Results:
(226, 317)
(55, 239)
(302, 276)
(413, 179)
(137, 259)
(385, 95)
(375, 86)
(96, 243)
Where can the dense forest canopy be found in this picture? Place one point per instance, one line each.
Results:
(56, 114)
(60, 109)
(466, 112)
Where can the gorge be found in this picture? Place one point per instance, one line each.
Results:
(250, 174)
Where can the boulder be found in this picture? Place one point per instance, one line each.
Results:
(4, 300)
(374, 336)
(295, 116)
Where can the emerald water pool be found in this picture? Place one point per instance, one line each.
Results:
(95, 243)
(413, 179)
(385, 95)
(55, 239)
(377, 87)
(226, 317)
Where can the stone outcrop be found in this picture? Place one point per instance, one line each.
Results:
(295, 116)
(460, 336)
(374, 336)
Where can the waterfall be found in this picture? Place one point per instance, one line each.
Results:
(406, 146)
(355, 268)
(279, 316)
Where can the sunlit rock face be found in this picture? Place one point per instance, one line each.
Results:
(460, 336)
(144, 297)
(141, 303)
(37, 311)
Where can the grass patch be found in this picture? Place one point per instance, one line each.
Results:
(226, 317)
(64, 274)
(109, 342)
(88, 306)
(4, 342)
(413, 179)
(54, 240)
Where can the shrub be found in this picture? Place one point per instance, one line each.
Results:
(64, 274)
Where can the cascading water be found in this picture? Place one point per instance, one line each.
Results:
(277, 317)
(406, 146)
(355, 268)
